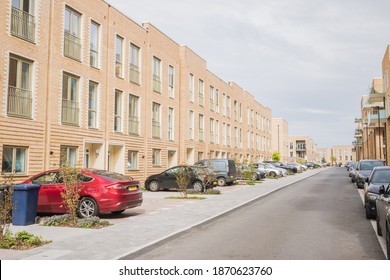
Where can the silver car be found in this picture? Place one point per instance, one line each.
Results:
(270, 170)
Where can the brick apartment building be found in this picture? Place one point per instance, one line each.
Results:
(81, 81)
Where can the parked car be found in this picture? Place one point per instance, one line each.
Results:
(380, 176)
(270, 170)
(300, 167)
(258, 174)
(167, 179)
(363, 170)
(352, 171)
(224, 169)
(383, 216)
(291, 169)
(101, 192)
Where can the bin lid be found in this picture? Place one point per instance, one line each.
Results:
(26, 187)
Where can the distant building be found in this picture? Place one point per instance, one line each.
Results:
(303, 149)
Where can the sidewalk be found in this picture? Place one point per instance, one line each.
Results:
(138, 228)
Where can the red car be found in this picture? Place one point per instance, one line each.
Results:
(101, 192)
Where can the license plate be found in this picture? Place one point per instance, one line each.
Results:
(132, 188)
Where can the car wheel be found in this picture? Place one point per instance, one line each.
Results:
(221, 181)
(154, 186)
(352, 179)
(368, 214)
(272, 174)
(378, 227)
(118, 212)
(197, 186)
(87, 208)
(254, 177)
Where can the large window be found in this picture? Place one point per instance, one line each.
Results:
(171, 124)
(201, 127)
(156, 123)
(191, 125)
(19, 88)
(201, 93)
(14, 159)
(92, 105)
(72, 40)
(135, 64)
(156, 160)
(171, 82)
(156, 72)
(211, 93)
(94, 45)
(118, 111)
(191, 87)
(132, 162)
(70, 103)
(68, 156)
(23, 20)
(212, 134)
(119, 56)
(133, 114)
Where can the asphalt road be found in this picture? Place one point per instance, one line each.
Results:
(320, 218)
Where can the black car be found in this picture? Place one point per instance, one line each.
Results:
(363, 170)
(383, 216)
(290, 168)
(380, 176)
(201, 178)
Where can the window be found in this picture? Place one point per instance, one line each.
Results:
(211, 93)
(135, 64)
(171, 123)
(191, 125)
(212, 131)
(72, 40)
(191, 86)
(201, 94)
(68, 156)
(228, 106)
(235, 108)
(94, 45)
(216, 132)
(156, 74)
(156, 124)
(92, 105)
(216, 101)
(14, 160)
(201, 128)
(223, 104)
(171, 80)
(235, 137)
(23, 20)
(156, 161)
(133, 114)
(119, 56)
(19, 88)
(70, 104)
(132, 162)
(228, 135)
(118, 111)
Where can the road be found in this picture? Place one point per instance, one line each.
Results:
(320, 218)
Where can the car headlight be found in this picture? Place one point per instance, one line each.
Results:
(372, 197)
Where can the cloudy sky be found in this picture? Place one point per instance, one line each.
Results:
(310, 61)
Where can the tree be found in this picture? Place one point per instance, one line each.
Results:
(276, 156)
(333, 159)
(183, 178)
(6, 205)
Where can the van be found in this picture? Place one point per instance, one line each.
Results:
(224, 169)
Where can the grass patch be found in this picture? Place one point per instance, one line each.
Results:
(21, 241)
(188, 197)
(67, 221)
(208, 191)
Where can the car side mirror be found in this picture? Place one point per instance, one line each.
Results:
(381, 190)
(366, 179)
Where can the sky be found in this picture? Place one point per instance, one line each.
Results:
(309, 61)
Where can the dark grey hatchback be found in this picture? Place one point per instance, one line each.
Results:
(380, 176)
(363, 170)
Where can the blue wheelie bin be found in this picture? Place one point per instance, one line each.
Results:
(25, 202)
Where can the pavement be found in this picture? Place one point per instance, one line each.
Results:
(136, 229)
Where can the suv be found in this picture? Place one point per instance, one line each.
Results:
(363, 170)
(224, 169)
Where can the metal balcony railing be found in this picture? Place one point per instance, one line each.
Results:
(23, 25)
(156, 84)
(133, 125)
(134, 74)
(72, 46)
(19, 102)
(70, 112)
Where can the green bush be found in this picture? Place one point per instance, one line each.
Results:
(67, 220)
(21, 240)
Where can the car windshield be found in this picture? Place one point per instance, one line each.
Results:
(381, 177)
(369, 165)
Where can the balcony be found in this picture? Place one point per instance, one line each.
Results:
(133, 125)
(70, 112)
(72, 46)
(358, 132)
(156, 129)
(134, 74)
(23, 25)
(156, 84)
(372, 118)
(19, 102)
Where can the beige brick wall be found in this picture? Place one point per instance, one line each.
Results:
(44, 133)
